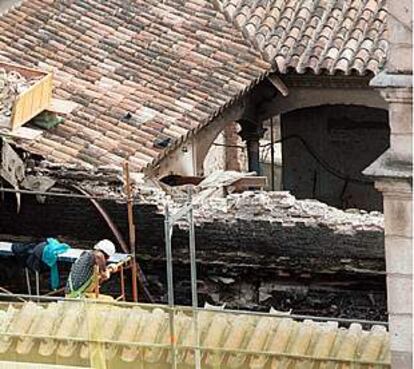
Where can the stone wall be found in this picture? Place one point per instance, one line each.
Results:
(254, 250)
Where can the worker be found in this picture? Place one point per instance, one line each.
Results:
(90, 269)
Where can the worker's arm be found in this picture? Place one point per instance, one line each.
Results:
(101, 263)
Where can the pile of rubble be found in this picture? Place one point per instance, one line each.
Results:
(12, 84)
(284, 208)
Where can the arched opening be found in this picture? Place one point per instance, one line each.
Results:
(326, 148)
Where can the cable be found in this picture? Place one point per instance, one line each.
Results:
(321, 161)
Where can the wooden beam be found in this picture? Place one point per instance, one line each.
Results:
(278, 84)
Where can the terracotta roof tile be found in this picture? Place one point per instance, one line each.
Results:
(173, 65)
(323, 35)
(140, 335)
(145, 58)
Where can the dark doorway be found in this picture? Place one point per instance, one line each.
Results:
(326, 148)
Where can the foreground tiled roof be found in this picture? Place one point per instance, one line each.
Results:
(145, 72)
(317, 35)
(63, 331)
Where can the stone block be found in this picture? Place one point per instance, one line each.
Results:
(401, 360)
(401, 118)
(402, 146)
(399, 294)
(398, 216)
(400, 36)
(399, 254)
(401, 332)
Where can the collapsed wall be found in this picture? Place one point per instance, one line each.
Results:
(254, 250)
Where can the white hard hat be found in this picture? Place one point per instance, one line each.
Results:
(106, 247)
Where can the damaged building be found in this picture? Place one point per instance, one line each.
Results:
(255, 250)
(181, 90)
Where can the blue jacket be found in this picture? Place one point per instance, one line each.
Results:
(50, 254)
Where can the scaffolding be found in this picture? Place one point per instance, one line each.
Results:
(186, 212)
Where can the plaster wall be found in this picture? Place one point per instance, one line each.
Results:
(306, 97)
(216, 157)
(187, 158)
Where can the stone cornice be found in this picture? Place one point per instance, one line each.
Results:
(388, 80)
(388, 165)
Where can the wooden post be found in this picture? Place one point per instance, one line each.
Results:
(131, 228)
(272, 154)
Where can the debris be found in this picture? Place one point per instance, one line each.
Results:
(12, 168)
(223, 280)
(223, 178)
(38, 183)
(12, 84)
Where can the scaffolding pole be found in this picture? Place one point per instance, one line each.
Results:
(131, 228)
(186, 212)
(170, 284)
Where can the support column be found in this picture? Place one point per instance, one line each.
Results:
(232, 151)
(393, 177)
(397, 195)
(252, 132)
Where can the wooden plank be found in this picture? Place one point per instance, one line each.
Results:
(31, 102)
(24, 71)
(249, 182)
(22, 132)
(64, 107)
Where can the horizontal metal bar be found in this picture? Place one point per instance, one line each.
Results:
(57, 194)
(190, 309)
(193, 347)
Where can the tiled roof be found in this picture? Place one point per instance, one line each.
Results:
(148, 73)
(317, 35)
(59, 331)
(145, 72)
